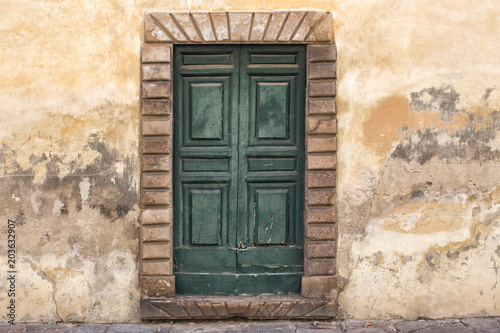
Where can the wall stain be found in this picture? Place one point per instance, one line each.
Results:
(467, 144)
(112, 192)
(442, 99)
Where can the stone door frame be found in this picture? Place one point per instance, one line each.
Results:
(320, 284)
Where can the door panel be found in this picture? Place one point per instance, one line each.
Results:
(206, 214)
(205, 259)
(205, 164)
(271, 216)
(206, 111)
(270, 260)
(255, 284)
(271, 164)
(273, 110)
(273, 207)
(205, 284)
(238, 169)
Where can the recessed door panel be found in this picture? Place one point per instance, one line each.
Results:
(205, 164)
(206, 214)
(272, 110)
(206, 111)
(271, 164)
(206, 217)
(271, 216)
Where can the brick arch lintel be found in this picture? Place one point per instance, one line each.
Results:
(279, 26)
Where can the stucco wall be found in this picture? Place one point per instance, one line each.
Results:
(419, 155)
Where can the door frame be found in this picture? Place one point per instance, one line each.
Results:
(320, 283)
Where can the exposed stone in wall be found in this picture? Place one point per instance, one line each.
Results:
(77, 233)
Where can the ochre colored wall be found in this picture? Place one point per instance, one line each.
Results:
(419, 154)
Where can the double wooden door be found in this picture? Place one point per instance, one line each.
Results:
(238, 169)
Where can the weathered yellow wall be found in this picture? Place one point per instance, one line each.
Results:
(419, 173)
(419, 154)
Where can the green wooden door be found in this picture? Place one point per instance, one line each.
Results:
(238, 169)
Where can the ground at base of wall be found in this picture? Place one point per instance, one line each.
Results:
(469, 325)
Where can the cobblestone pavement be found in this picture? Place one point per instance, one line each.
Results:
(477, 325)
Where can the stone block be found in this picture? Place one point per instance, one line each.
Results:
(322, 144)
(156, 267)
(39, 328)
(321, 162)
(254, 307)
(156, 250)
(312, 17)
(202, 19)
(320, 179)
(156, 89)
(282, 310)
(321, 215)
(321, 88)
(321, 232)
(321, 106)
(219, 20)
(319, 267)
(320, 286)
(220, 308)
(156, 72)
(237, 307)
(419, 326)
(323, 53)
(158, 286)
(447, 326)
(156, 233)
(329, 310)
(320, 197)
(267, 308)
(156, 198)
(320, 250)
(277, 19)
(207, 309)
(157, 146)
(240, 26)
(149, 311)
(160, 107)
(156, 180)
(155, 53)
(156, 163)
(301, 309)
(156, 216)
(186, 23)
(168, 23)
(156, 127)
(482, 324)
(323, 32)
(191, 308)
(321, 126)
(152, 32)
(290, 26)
(322, 70)
(259, 24)
(172, 307)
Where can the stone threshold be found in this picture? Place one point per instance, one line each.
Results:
(225, 307)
